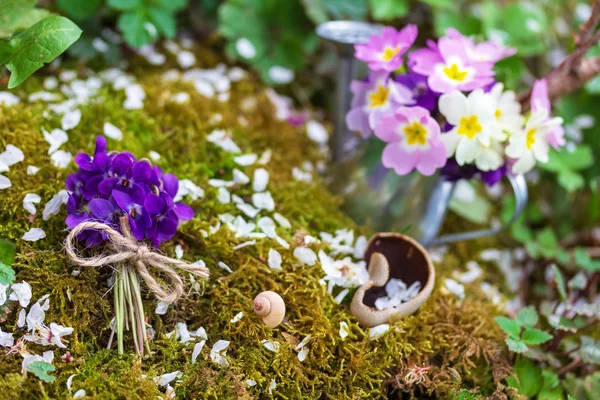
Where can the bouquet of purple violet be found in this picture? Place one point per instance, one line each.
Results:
(121, 201)
(444, 109)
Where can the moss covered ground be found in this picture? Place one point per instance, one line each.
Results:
(457, 339)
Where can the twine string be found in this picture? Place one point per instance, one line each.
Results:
(125, 248)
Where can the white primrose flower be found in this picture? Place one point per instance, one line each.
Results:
(21, 292)
(507, 111)
(344, 272)
(471, 140)
(531, 144)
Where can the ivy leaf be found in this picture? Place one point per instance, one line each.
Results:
(41, 369)
(534, 337)
(530, 377)
(25, 20)
(548, 243)
(386, 10)
(560, 282)
(7, 252)
(465, 395)
(509, 326)
(125, 5)
(590, 350)
(137, 29)
(171, 5)
(449, 4)
(515, 345)
(315, 10)
(527, 317)
(7, 274)
(12, 11)
(164, 21)
(78, 9)
(583, 260)
(39, 44)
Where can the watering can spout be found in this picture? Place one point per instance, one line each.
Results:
(344, 35)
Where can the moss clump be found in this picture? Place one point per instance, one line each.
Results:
(454, 339)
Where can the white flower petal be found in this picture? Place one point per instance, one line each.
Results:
(4, 182)
(197, 349)
(237, 317)
(111, 131)
(274, 259)
(8, 99)
(11, 155)
(161, 308)
(54, 205)
(344, 330)
(165, 379)
(377, 331)
(239, 177)
(61, 159)
(21, 292)
(32, 170)
(263, 201)
(305, 255)
(29, 200)
(245, 160)
(34, 234)
(271, 345)
(245, 48)
(261, 180)
(71, 119)
(280, 74)
(186, 59)
(316, 132)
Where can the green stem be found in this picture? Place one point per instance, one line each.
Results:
(129, 305)
(135, 289)
(119, 309)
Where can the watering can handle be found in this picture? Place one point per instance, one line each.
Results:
(519, 188)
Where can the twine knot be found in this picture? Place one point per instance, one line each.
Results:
(125, 248)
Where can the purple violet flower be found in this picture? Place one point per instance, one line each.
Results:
(110, 185)
(423, 95)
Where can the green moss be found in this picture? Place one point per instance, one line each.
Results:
(447, 335)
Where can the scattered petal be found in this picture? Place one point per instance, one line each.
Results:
(21, 292)
(197, 349)
(261, 180)
(54, 205)
(34, 234)
(29, 200)
(305, 255)
(245, 160)
(111, 131)
(271, 345)
(237, 317)
(344, 330)
(11, 155)
(376, 331)
(275, 259)
(32, 170)
(71, 119)
(61, 159)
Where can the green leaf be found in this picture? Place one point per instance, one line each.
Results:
(163, 21)
(548, 243)
(25, 20)
(137, 29)
(41, 369)
(465, 24)
(171, 5)
(560, 282)
(448, 4)
(315, 10)
(583, 260)
(7, 252)
(516, 345)
(386, 10)
(527, 317)
(79, 9)
(11, 12)
(7, 274)
(551, 379)
(530, 377)
(556, 393)
(125, 5)
(39, 44)
(465, 395)
(534, 337)
(590, 350)
(344, 9)
(509, 326)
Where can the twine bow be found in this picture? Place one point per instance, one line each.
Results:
(125, 247)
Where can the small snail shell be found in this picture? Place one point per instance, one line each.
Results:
(270, 306)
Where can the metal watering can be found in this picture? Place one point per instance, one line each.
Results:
(376, 195)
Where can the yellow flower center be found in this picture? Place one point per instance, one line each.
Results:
(390, 53)
(469, 126)
(454, 73)
(379, 97)
(415, 134)
(530, 138)
(498, 113)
